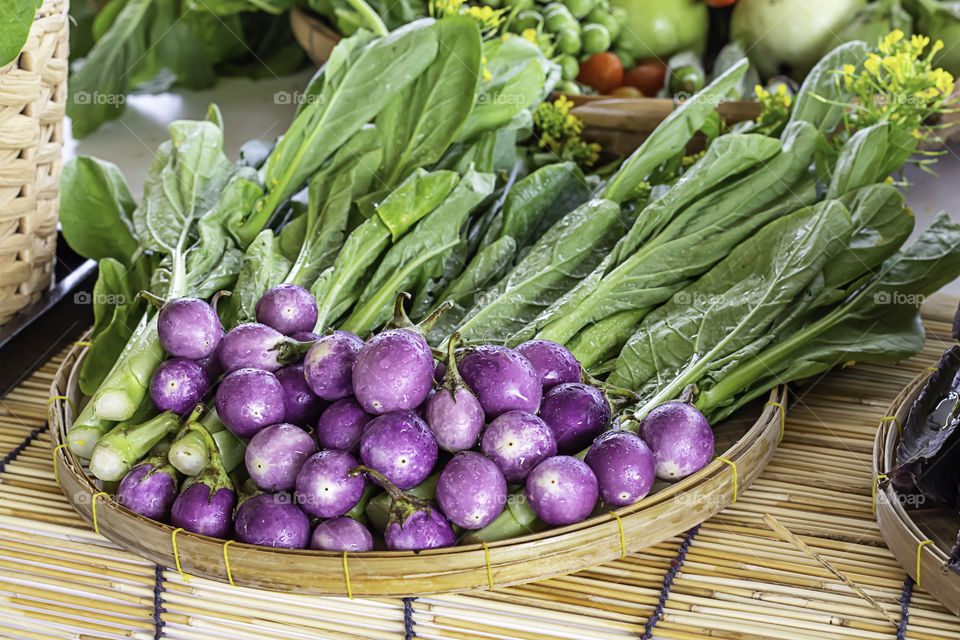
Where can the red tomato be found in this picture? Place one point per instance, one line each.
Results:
(719, 3)
(602, 71)
(648, 77)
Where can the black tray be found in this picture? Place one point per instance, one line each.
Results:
(39, 331)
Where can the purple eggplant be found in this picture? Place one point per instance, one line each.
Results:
(502, 379)
(517, 442)
(178, 385)
(272, 520)
(471, 490)
(624, 467)
(679, 437)
(562, 490)
(188, 328)
(341, 534)
(453, 413)
(553, 363)
(250, 399)
(276, 453)
(257, 346)
(150, 488)
(324, 486)
(400, 446)
(303, 405)
(304, 336)
(288, 308)
(341, 425)
(576, 413)
(328, 366)
(413, 523)
(201, 509)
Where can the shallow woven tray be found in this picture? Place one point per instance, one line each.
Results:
(745, 446)
(920, 537)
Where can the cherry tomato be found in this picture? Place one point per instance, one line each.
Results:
(648, 76)
(602, 71)
(719, 3)
(626, 92)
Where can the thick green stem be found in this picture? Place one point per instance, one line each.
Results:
(120, 449)
(378, 509)
(126, 385)
(87, 429)
(369, 16)
(515, 520)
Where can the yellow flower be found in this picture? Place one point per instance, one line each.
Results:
(486, 75)
(530, 34)
(563, 104)
(483, 59)
(506, 36)
(873, 63)
(937, 46)
(888, 41)
(918, 42)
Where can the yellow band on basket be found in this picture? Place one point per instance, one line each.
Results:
(623, 537)
(734, 467)
(896, 421)
(876, 487)
(52, 398)
(930, 369)
(486, 555)
(176, 554)
(56, 470)
(83, 343)
(93, 507)
(783, 416)
(919, 549)
(226, 562)
(346, 576)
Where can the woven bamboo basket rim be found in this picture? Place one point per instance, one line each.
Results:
(908, 532)
(527, 558)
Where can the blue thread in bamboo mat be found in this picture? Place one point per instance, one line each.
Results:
(158, 604)
(17, 450)
(668, 579)
(906, 594)
(408, 632)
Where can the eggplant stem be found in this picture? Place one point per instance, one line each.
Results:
(156, 301)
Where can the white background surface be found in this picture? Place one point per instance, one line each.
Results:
(263, 109)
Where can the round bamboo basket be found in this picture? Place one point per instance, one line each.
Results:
(33, 94)
(922, 536)
(745, 443)
(313, 34)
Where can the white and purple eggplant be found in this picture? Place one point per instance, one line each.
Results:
(275, 454)
(471, 490)
(257, 346)
(325, 487)
(401, 446)
(576, 413)
(413, 523)
(178, 384)
(503, 380)
(249, 400)
(188, 328)
(553, 362)
(341, 425)
(517, 442)
(288, 308)
(150, 488)
(328, 365)
(562, 490)
(623, 465)
(302, 404)
(394, 369)
(453, 413)
(341, 534)
(272, 520)
(206, 501)
(680, 438)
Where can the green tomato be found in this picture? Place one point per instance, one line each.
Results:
(609, 21)
(568, 42)
(519, 5)
(528, 19)
(559, 19)
(686, 80)
(569, 66)
(658, 28)
(493, 4)
(595, 38)
(567, 86)
(627, 57)
(579, 8)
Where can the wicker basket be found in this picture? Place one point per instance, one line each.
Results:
(746, 444)
(33, 94)
(920, 537)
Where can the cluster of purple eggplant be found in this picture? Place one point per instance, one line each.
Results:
(444, 442)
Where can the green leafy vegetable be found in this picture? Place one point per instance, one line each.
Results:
(17, 18)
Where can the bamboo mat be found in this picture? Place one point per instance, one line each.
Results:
(729, 579)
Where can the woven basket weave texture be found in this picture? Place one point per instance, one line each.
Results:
(33, 94)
